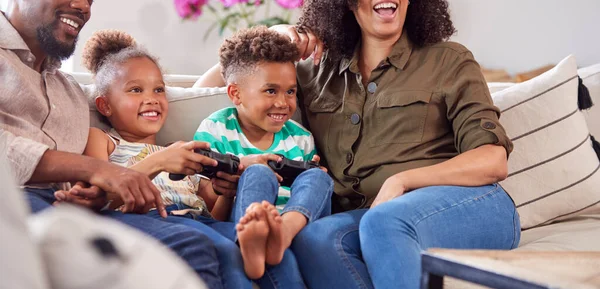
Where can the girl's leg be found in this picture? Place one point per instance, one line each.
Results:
(310, 199)
(393, 234)
(329, 255)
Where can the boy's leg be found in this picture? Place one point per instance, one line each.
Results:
(191, 245)
(311, 195)
(228, 253)
(310, 200)
(258, 183)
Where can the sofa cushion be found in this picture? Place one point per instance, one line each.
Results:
(579, 233)
(591, 79)
(553, 170)
(187, 108)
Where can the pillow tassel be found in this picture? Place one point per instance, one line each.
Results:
(584, 99)
(596, 146)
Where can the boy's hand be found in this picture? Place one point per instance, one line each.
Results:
(317, 159)
(180, 158)
(83, 194)
(263, 159)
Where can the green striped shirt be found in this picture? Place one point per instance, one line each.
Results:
(222, 130)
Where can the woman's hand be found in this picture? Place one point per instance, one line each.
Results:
(180, 158)
(308, 44)
(392, 188)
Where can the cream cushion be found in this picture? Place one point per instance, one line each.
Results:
(553, 170)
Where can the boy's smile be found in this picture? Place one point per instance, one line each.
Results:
(265, 99)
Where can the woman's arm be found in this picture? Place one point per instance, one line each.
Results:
(481, 166)
(212, 78)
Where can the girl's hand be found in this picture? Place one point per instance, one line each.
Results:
(263, 159)
(308, 44)
(180, 158)
(392, 188)
(317, 159)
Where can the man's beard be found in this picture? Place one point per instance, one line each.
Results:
(51, 46)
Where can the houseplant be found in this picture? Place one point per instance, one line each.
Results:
(234, 14)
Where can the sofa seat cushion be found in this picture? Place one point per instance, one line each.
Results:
(580, 233)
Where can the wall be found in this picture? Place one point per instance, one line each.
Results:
(516, 35)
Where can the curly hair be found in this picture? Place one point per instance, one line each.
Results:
(427, 22)
(248, 47)
(107, 49)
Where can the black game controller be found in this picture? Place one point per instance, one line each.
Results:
(225, 163)
(290, 169)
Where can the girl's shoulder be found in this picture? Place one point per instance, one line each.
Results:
(101, 137)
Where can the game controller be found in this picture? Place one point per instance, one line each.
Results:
(290, 169)
(226, 163)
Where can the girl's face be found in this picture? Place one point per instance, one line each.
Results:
(382, 19)
(136, 104)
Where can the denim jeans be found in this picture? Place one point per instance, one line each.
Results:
(310, 193)
(380, 248)
(285, 275)
(190, 244)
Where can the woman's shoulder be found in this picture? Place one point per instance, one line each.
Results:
(448, 47)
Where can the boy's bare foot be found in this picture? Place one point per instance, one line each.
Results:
(276, 243)
(252, 232)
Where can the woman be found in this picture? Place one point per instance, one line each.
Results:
(405, 123)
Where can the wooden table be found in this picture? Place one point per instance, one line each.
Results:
(512, 269)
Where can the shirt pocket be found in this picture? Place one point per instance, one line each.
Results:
(400, 117)
(321, 114)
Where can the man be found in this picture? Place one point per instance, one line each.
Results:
(44, 122)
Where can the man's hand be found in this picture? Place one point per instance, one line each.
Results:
(308, 44)
(392, 188)
(135, 189)
(82, 194)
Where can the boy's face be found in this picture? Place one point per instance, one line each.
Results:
(266, 98)
(136, 104)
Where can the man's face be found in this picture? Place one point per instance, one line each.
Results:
(58, 23)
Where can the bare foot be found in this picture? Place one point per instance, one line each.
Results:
(276, 243)
(252, 232)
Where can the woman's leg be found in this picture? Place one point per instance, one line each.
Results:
(393, 234)
(329, 254)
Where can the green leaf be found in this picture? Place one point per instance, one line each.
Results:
(272, 21)
(210, 29)
(225, 21)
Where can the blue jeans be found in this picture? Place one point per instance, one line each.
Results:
(285, 275)
(191, 245)
(380, 248)
(310, 193)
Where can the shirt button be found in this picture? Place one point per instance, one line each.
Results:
(53, 106)
(372, 87)
(348, 157)
(355, 119)
(489, 125)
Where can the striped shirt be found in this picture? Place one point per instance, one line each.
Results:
(182, 193)
(224, 133)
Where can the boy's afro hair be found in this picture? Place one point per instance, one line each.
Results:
(251, 46)
(102, 44)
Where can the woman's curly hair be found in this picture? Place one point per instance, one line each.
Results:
(107, 49)
(427, 22)
(249, 47)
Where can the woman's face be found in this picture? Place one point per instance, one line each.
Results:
(382, 19)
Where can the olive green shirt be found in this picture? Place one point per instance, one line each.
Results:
(422, 106)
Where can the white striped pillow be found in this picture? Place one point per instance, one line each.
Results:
(553, 170)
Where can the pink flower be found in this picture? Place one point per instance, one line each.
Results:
(229, 3)
(290, 4)
(189, 8)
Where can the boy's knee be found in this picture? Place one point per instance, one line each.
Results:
(260, 171)
(316, 175)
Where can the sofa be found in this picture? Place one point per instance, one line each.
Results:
(553, 172)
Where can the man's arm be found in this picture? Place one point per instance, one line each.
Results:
(22, 155)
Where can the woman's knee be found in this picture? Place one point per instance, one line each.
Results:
(391, 215)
